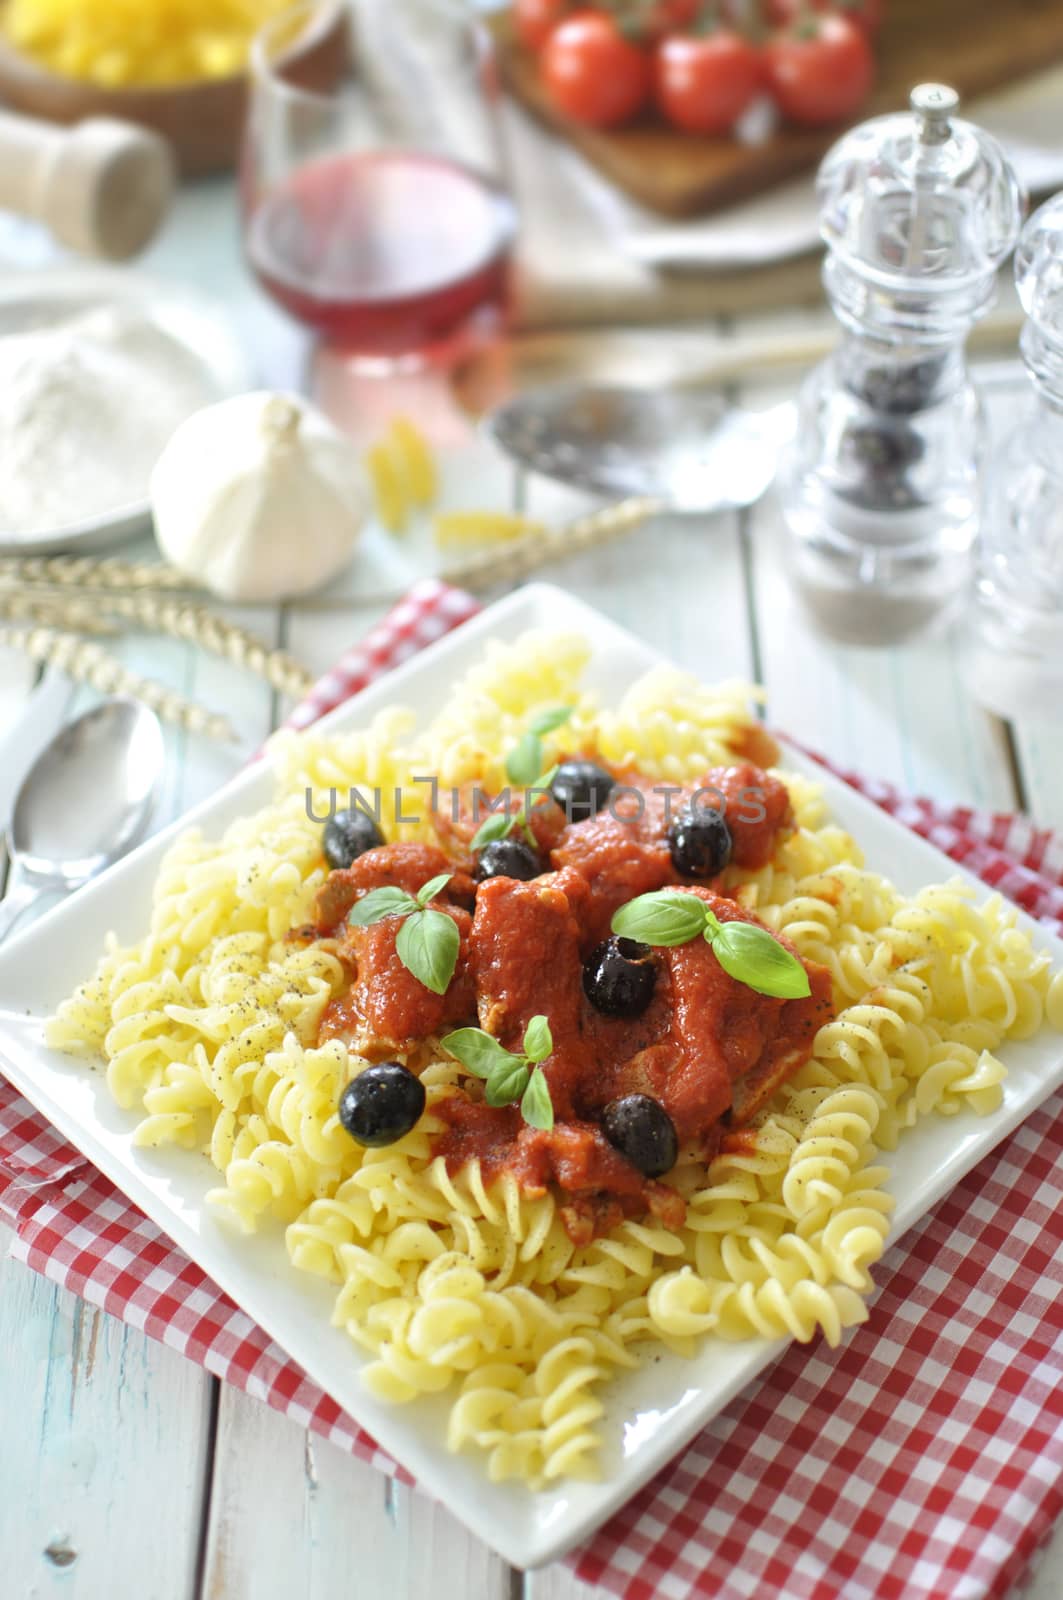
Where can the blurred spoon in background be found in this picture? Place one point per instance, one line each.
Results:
(87, 799)
(686, 451)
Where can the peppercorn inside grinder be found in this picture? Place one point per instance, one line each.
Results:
(881, 489)
(1013, 638)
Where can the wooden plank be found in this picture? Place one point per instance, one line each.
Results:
(1037, 734)
(195, 765)
(17, 677)
(682, 176)
(1039, 748)
(556, 1582)
(677, 582)
(102, 1470)
(110, 1429)
(319, 636)
(294, 1515)
(1047, 1582)
(247, 700)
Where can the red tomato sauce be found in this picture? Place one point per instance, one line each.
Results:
(709, 1049)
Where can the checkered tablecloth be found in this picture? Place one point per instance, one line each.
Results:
(923, 1460)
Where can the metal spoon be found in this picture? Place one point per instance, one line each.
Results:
(685, 450)
(86, 800)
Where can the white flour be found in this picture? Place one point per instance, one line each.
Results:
(86, 407)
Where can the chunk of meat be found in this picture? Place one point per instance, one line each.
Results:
(458, 826)
(757, 808)
(799, 1022)
(706, 1045)
(623, 851)
(620, 853)
(525, 961)
(601, 1187)
(407, 866)
(731, 1042)
(754, 743)
(387, 1010)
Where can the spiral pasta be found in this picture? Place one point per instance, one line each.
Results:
(451, 1282)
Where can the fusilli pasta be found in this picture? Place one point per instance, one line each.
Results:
(208, 1028)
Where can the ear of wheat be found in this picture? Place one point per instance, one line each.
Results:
(196, 624)
(92, 572)
(86, 662)
(62, 608)
(53, 609)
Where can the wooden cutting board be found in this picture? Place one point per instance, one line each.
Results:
(974, 45)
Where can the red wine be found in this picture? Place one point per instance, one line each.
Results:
(384, 252)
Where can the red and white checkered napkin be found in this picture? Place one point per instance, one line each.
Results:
(921, 1461)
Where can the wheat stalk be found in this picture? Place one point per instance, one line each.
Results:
(91, 664)
(197, 625)
(514, 561)
(55, 607)
(52, 609)
(92, 572)
(506, 563)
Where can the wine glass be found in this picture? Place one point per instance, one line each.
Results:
(375, 205)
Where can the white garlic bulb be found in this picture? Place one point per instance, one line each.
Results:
(259, 497)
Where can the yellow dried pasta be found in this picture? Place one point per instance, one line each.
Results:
(120, 43)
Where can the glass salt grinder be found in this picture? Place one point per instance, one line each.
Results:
(881, 489)
(1013, 641)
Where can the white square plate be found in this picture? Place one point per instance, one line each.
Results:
(651, 1413)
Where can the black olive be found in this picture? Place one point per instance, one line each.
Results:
(348, 835)
(508, 858)
(381, 1104)
(699, 842)
(581, 789)
(643, 1132)
(619, 977)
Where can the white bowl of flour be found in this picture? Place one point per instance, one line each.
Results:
(97, 370)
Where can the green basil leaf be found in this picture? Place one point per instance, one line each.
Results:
(428, 943)
(538, 1041)
(381, 903)
(497, 826)
(752, 956)
(547, 721)
(525, 761)
(478, 1051)
(536, 1107)
(541, 786)
(507, 1082)
(665, 918)
(432, 888)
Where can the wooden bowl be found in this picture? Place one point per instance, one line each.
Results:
(202, 120)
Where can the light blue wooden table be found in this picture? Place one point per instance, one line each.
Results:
(127, 1472)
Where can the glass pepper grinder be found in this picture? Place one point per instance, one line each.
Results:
(1014, 635)
(881, 489)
